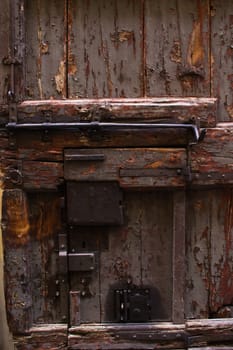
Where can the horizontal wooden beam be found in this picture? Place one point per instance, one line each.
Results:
(191, 109)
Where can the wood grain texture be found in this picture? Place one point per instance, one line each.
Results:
(221, 286)
(222, 51)
(197, 254)
(16, 237)
(105, 38)
(178, 255)
(4, 50)
(132, 168)
(164, 109)
(45, 219)
(177, 48)
(45, 64)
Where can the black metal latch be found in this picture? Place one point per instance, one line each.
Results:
(79, 262)
(132, 305)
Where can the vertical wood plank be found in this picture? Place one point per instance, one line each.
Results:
(198, 254)
(4, 49)
(221, 284)
(105, 54)
(45, 59)
(43, 259)
(120, 264)
(178, 256)
(177, 48)
(156, 219)
(16, 238)
(222, 53)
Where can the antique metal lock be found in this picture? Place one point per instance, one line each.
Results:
(132, 305)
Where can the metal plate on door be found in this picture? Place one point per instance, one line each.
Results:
(132, 305)
(94, 203)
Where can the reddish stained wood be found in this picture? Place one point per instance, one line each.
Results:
(211, 160)
(222, 53)
(221, 285)
(146, 167)
(41, 175)
(164, 109)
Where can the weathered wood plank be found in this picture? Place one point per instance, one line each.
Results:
(45, 218)
(154, 212)
(50, 336)
(140, 167)
(4, 50)
(16, 238)
(221, 284)
(178, 253)
(120, 264)
(178, 62)
(162, 109)
(211, 160)
(221, 48)
(197, 254)
(163, 335)
(45, 63)
(105, 37)
(41, 175)
(210, 332)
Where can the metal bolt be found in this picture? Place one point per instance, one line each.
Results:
(63, 317)
(57, 282)
(57, 293)
(83, 293)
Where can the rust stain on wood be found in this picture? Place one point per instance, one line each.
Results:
(60, 78)
(16, 217)
(122, 36)
(196, 51)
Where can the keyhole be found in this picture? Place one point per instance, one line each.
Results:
(84, 244)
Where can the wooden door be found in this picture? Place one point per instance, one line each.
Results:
(126, 62)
